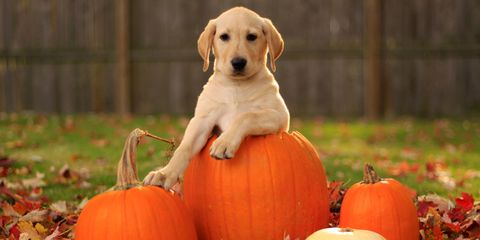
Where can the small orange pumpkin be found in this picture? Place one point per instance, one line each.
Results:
(133, 211)
(274, 188)
(380, 205)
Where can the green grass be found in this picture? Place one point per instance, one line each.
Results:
(343, 146)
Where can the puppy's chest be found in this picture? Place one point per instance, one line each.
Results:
(230, 111)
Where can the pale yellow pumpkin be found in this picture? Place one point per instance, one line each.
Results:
(344, 234)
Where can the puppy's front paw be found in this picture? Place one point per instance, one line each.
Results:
(163, 178)
(224, 147)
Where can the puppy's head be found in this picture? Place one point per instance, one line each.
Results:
(240, 39)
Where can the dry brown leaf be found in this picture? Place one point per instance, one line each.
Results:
(9, 211)
(40, 228)
(56, 233)
(28, 231)
(34, 182)
(82, 204)
(15, 144)
(36, 215)
(443, 204)
(59, 206)
(100, 142)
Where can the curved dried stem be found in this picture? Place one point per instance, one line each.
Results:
(171, 141)
(369, 175)
(127, 174)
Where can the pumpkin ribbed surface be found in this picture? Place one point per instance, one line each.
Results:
(137, 213)
(274, 187)
(380, 205)
(132, 211)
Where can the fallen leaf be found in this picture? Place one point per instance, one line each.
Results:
(82, 204)
(410, 153)
(22, 171)
(455, 227)
(100, 142)
(69, 124)
(34, 182)
(151, 151)
(20, 208)
(56, 233)
(465, 202)
(74, 157)
(423, 207)
(9, 211)
(59, 206)
(40, 228)
(15, 144)
(69, 176)
(456, 214)
(447, 219)
(442, 204)
(403, 168)
(4, 171)
(5, 161)
(36, 215)
(27, 231)
(36, 158)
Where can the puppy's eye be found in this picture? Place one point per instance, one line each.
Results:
(251, 37)
(224, 37)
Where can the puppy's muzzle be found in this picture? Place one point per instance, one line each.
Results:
(238, 64)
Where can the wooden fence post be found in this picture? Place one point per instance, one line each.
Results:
(123, 92)
(373, 64)
(2, 88)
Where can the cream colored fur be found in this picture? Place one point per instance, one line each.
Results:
(238, 104)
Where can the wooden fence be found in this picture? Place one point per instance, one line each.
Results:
(58, 56)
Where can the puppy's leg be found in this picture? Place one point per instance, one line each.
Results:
(248, 123)
(196, 135)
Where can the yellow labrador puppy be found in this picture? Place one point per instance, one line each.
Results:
(241, 97)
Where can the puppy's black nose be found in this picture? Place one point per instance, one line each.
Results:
(238, 63)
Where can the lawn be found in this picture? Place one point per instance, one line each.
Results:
(76, 156)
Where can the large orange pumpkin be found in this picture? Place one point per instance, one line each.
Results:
(133, 211)
(274, 188)
(384, 206)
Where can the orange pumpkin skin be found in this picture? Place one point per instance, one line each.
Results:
(274, 187)
(133, 211)
(137, 213)
(384, 207)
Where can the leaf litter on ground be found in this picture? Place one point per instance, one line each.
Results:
(28, 214)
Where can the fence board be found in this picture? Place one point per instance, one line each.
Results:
(319, 93)
(448, 22)
(401, 80)
(82, 84)
(43, 88)
(66, 82)
(347, 88)
(151, 87)
(61, 55)
(2, 87)
(8, 87)
(18, 87)
(472, 21)
(286, 75)
(473, 85)
(5, 19)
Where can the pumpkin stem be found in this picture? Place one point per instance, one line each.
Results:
(369, 175)
(346, 230)
(127, 174)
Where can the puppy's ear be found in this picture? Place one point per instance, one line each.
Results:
(205, 42)
(274, 42)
